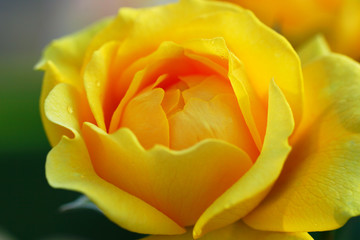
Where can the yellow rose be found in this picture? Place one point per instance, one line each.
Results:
(181, 116)
(297, 20)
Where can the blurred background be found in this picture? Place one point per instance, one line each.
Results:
(29, 208)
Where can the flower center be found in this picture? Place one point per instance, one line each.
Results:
(181, 112)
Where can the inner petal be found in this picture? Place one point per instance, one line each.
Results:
(145, 117)
(218, 118)
(171, 100)
(206, 89)
(169, 61)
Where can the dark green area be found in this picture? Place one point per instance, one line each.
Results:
(29, 207)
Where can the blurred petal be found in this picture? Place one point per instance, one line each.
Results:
(313, 49)
(344, 36)
(5, 235)
(68, 166)
(249, 190)
(319, 187)
(181, 184)
(237, 230)
(82, 202)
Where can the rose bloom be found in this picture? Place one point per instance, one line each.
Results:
(297, 20)
(195, 117)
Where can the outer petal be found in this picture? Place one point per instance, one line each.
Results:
(62, 107)
(68, 166)
(266, 51)
(62, 61)
(237, 230)
(53, 131)
(319, 187)
(181, 184)
(249, 190)
(116, 30)
(67, 53)
(63, 110)
(134, 21)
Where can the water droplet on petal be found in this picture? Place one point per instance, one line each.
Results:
(70, 109)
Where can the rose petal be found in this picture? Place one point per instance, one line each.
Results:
(145, 117)
(181, 184)
(267, 50)
(116, 30)
(237, 230)
(62, 61)
(64, 109)
(251, 107)
(171, 101)
(206, 88)
(67, 53)
(68, 166)
(315, 48)
(216, 51)
(53, 131)
(319, 186)
(249, 190)
(97, 77)
(168, 59)
(345, 35)
(218, 118)
(219, 57)
(152, 25)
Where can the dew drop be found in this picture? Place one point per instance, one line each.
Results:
(70, 109)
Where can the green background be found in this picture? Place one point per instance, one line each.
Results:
(29, 208)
